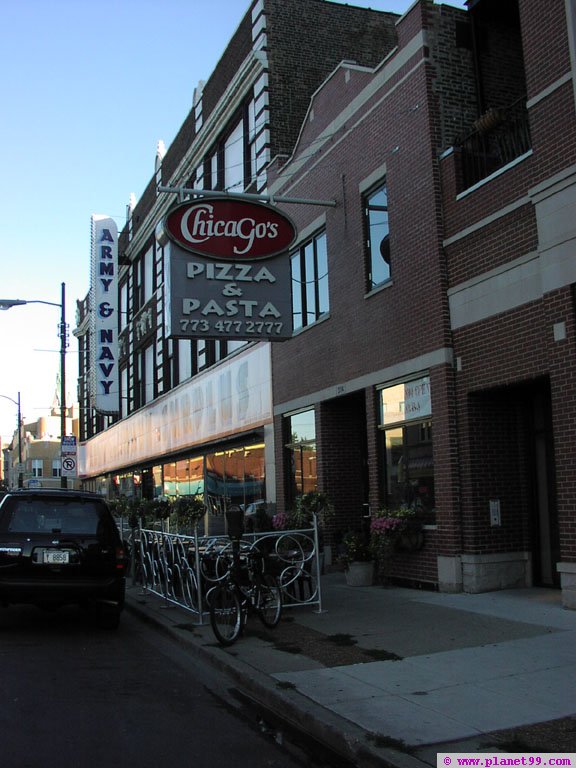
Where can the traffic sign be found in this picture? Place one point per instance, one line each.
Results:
(68, 466)
(68, 444)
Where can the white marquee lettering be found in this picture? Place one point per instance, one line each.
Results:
(246, 273)
(198, 225)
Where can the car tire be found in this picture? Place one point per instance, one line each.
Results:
(108, 616)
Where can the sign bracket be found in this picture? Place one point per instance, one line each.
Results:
(183, 191)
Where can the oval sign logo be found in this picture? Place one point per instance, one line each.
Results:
(230, 229)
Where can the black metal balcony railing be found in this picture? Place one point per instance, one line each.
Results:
(499, 136)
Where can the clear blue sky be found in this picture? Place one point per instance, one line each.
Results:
(87, 91)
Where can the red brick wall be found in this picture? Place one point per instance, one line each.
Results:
(516, 351)
(560, 307)
(365, 334)
(341, 445)
(303, 54)
(494, 245)
(545, 43)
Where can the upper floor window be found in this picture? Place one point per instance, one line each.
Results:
(309, 271)
(143, 282)
(378, 236)
(231, 162)
(234, 160)
(194, 355)
(124, 405)
(37, 467)
(123, 309)
(149, 377)
(148, 275)
(184, 359)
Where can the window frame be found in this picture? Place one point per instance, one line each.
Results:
(373, 251)
(298, 448)
(411, 414)
(309, 292)
(214, 173)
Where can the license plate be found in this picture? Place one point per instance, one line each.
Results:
(56, 557)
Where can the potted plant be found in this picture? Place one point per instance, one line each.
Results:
(357, 559)
(130, 507)
(189, 510)
(392, 531)
(310, 504)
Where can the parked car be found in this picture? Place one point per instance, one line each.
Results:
(61, 547)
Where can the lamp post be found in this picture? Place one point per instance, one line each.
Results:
(8, 304)
(17, 402)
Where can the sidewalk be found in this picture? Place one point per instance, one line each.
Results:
(391, 676)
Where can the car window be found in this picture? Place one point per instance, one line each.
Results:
(54, 516)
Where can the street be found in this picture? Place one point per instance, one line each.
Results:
(75, 696)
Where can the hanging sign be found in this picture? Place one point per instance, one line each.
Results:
(227, 270)
(105, 315)
(231, 229)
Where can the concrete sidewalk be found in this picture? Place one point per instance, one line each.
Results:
(393, 676)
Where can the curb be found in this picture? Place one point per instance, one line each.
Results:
(288, 708)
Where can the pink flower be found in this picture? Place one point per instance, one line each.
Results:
(280, 521)
(383, 526)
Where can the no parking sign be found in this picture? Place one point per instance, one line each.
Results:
(69, 458)
(69, 466)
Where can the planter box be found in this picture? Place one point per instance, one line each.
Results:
(360, 574)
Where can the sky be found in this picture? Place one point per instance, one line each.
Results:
(87, 91)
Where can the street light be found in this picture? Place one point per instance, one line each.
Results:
(17, 402)
(8, 304)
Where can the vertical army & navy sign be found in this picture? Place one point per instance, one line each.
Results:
(105, 315)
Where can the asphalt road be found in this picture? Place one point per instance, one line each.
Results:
(73, 695)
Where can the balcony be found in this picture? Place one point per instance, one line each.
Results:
(498, 138)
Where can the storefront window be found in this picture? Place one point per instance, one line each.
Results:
(157, 480)
(129, 485)
(254, 473)
(215, 483)
(170, 479)
(196, 476)
(235, 476)
(182, 487)
(406, 456)
(302, 450)
(409, 468)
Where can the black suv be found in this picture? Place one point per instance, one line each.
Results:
(59, 547)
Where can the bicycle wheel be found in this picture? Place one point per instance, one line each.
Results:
(225, 614)
(269, 607)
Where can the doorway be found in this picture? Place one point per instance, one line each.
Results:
(512, 461)
(545, 533)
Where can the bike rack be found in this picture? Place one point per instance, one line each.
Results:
(162, 565)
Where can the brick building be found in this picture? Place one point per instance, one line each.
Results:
(195, 415)
(434, 303)
(32, 458)
(432, 295)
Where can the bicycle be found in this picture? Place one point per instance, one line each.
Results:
(243, 586)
